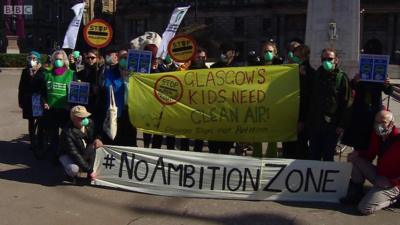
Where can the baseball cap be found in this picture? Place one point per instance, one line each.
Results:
(80, 111)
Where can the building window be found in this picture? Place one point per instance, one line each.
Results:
(49, 13)
(138, 27)
(239, 26)
(209, 21)
(267, 25)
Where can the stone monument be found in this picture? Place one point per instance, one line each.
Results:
(334, 24)
(12, 38)
(12, 46)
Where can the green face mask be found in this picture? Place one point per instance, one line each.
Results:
(85, 122)
(328, 65)
(76, 54)
(290, 55)
(123, 63)
(58, 63)
(268, 56)
(168, 60)
(296, 59)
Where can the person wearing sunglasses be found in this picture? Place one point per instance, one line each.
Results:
(31, 83)
(329, 107)
(93, 73)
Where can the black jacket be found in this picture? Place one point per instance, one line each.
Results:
(71, 143)
(330, 100)
(222, 64)
(367, 102)
(307, 73)
(29, 85)
(94, 75)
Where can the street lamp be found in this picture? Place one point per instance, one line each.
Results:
(58, 23)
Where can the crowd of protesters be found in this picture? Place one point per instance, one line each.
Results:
(332, 108)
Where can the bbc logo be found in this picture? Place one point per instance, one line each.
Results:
(18, 10)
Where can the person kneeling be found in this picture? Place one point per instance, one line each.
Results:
(78, 144)
(385, 176)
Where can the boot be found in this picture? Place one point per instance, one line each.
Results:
(355, 193)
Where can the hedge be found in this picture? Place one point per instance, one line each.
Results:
(16, 60)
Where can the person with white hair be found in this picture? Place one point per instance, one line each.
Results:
(57, 77)
(385, 175)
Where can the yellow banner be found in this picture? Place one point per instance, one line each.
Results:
(246, 104)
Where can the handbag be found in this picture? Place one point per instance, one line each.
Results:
(110, 123)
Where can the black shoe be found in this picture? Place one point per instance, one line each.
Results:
(351, 200)
(354, 195)
(71, 180)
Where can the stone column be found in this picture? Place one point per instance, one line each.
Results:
(335, 24)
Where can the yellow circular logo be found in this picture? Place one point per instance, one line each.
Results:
(97, 33)
(182, 48)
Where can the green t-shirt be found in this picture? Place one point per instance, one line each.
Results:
(57, 88)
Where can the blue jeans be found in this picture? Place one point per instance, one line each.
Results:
(323, 144)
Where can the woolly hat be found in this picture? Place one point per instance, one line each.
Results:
(36, 54)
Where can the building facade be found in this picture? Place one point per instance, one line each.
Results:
(45, 28)
(247, 23)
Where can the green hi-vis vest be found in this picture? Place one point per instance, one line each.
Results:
(57, 88)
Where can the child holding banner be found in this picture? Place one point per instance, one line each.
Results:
(199, 62)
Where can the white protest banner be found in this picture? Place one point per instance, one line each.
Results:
(78, 92)
(204, 175)
(73, 28)
(169, 33)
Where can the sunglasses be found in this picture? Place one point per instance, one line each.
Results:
(328, 59)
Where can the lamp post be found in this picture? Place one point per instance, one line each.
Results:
(58, 23)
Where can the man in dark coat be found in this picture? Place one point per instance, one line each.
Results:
(329, 109)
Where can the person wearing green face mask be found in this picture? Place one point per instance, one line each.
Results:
(78, 144)
(329, 111)
(270, 54)
(291, 47)
(299, 149)
(57, 78)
